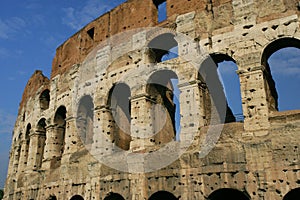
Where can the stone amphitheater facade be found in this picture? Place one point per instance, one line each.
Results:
(64, 121)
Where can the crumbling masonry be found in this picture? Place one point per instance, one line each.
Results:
(60, 119)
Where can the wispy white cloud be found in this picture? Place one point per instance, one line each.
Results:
(9, 27)
(286, 62)
(76, 19)
(7, 121)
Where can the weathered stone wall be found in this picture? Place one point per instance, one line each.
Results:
(258, 157)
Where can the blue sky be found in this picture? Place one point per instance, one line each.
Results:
(31, 30)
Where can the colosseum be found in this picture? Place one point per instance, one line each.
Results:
(104, 125)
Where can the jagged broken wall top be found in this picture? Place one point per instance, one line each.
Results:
(214, 17)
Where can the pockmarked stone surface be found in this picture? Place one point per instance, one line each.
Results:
(134, 108)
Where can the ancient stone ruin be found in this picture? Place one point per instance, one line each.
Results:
(104, 125)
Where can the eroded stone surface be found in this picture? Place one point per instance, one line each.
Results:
(259, 156)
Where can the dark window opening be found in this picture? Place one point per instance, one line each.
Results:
(60, 122)
(164, 47)
(52, 197)
(228, 193)
(162, 87)
(27, 142)
(91, 33)
(41, 130)
(162, 195)
(77, 197)
(282, 72)
(45, 100)
(120, 107)
(292, 195)
(85, 118)
(114, 196)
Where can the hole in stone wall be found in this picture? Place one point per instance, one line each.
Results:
(91, 33)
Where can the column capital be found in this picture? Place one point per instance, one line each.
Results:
(260, 68)
(143, 96)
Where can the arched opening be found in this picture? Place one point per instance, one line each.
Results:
(27, 142)
(292, 195)
(114, 196)
(231, 83)
(219, 71)
(59, 130)
(84, 120)
(45, 99)
(228, 193)
(162, 195)
(161, 87)
(41, 131)
(52, 197)
(77, 197)
(162, 48)
(282, 71)
(120, 119)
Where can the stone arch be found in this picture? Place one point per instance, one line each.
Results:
(294, 194)
(77, 197)
(212, 90)
(113, 196)
(163, 195)
(39, 139)
(268, 51)
(27, 142)
(120, 115)
(160, 87)
(231, 86)
(163, 47)
(59, 130)
(228, 193)
(44, 99)
(85, 119)
(52, 197)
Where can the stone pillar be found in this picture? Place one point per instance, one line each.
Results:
(194, 109)
(16, 158)
(139, 186)
(36, 150)
(23, 155)
(54, 144)
(142, 127)
(103, 132)
(72, 141)
(254, 101)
